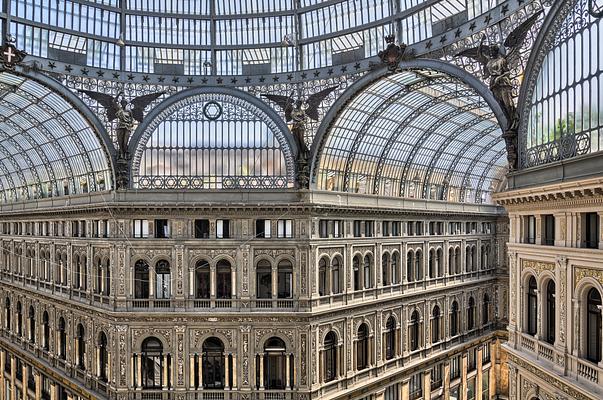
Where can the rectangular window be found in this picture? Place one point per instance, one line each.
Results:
(472, 359)
(284, 228)
(141, 228)
(471, 389)
(530, 229)
(486, 384)
(549, 230)
(432, 230)
(223, 229)
(262, 228)
(591, 223)
(416, 386)
(391, 392)
(396, 228)
(201, 228)
(411, 228)
(162, 229)
(369, 228)
(75, 228)
(436, 376)
(385, 228)
(455, 393)
(486, 354)
(455, 367)
(323, 228)
(419, 228)
(357, 228)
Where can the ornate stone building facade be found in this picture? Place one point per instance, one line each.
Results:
(331, 302)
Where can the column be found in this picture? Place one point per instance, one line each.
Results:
(600, 229)
(274, 282)
(191, 281)
(2, 366)
(38, 380)
(139, 371)
(405, 390)
(380, 395)
(109, 370)
(212, 281)
(24, 381)
(538, 314)
(576, 333)
(13, 376)
(54, 391)
(191, 373)
(446, 379)
(233, 384)
(98, 364)
(151, 282)
(288, 371)
(164, 382)
(427, 385)
(261, 371)
(226, 372)
(478, 378)
(200, 371)
(464, 377)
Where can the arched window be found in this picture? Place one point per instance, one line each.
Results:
(532, 307)
(468, 266)
(264, 279)
(107, 278)
(62, 339)
(435, 324)
(357, 273)
(202, 280)
(141, 280)
(330, 357)
(152, 363)
(335, 275)
(19, 316)
(410, 265)
(593, 326)
(473, 258)
(440, 262)
(471, 314)
(413, 331)
(83, 273)
(432, 264)
(7, 319)
(419, 274)
(395, 274)
(46, 331)
(457, 260)
(454, 319)
(390, 338)
(275, 365)
(385, 268)
(224, 280)
(486, 310)
(32, 324)
(76, 275)
(368, 272)
(103, 357)
(550, 312)
(81, 346)
(451, 259)
(322, 277)
(285, 279)
(362, 351)
(99, 277)
(163, 280)
(213, 364)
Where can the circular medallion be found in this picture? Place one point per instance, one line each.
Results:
(212, 110)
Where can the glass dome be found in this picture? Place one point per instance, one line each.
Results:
(224, 37)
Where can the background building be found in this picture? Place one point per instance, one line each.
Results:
(214, 240)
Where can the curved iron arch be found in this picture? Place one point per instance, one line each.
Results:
(356, 88)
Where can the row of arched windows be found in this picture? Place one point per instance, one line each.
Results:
(28, 330)
(542, 301)
(331, 358)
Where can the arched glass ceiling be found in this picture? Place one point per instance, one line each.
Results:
(225, 37)
(47, 148)
(416, 134)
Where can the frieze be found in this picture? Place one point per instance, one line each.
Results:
(538, 266)
(274, 253)
(212, 253)
(573, 393)
(584, 272)
(362, 249)
(166, 333)
(152, 253)
(303, 344)
(331, 251)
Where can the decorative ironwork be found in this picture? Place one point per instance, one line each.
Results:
(10, 55)
(595, 9)
(297, 112)
(394, 53)
(497, 63)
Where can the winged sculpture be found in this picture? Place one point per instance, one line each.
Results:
(297, 111)
(498, 61)
(126, 112)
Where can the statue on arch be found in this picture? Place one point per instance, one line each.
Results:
(497, 61)
(126, 113)
(297, 111)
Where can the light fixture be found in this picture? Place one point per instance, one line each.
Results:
(120, 42)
